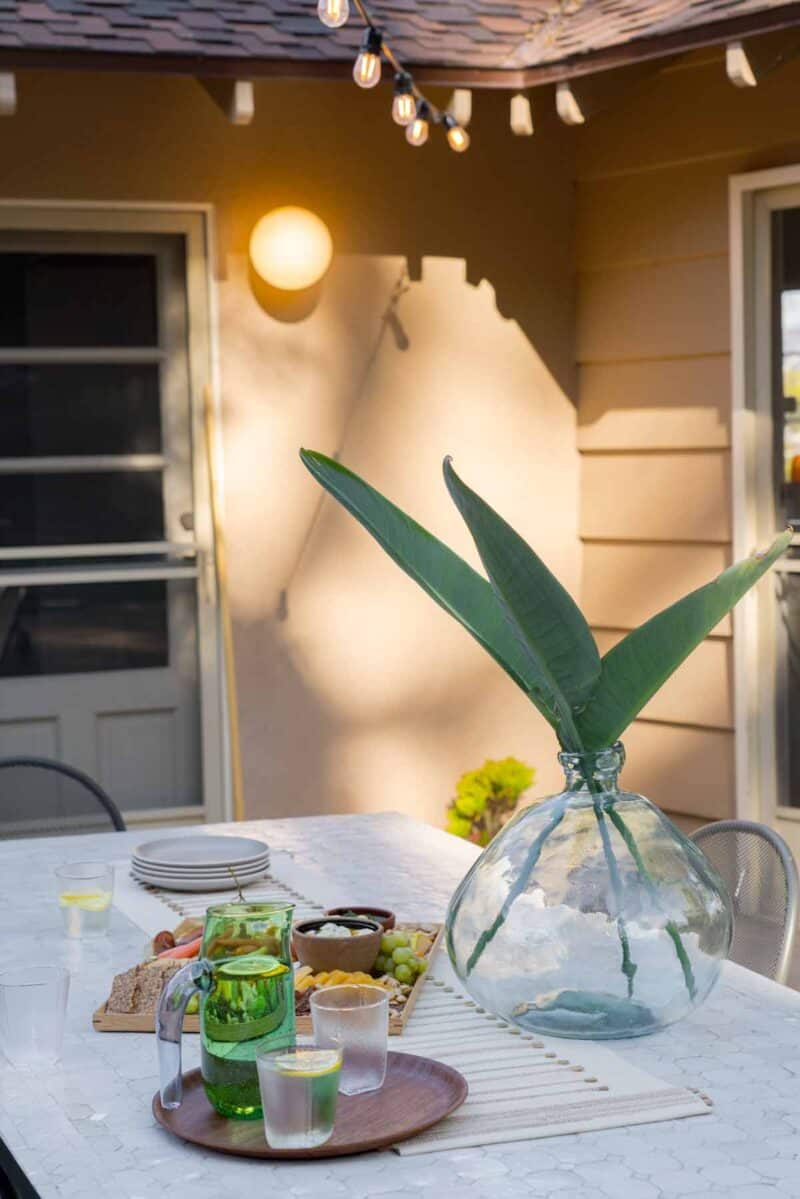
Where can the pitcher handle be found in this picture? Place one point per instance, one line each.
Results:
(194, 977)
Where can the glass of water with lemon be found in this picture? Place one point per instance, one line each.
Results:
(85, 891)
(299, 1087)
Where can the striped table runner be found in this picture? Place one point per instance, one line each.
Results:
(522, 1086)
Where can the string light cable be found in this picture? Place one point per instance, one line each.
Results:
(411, 109)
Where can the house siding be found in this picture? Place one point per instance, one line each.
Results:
(653, 353)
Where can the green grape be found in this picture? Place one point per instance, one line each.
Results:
(403, 973)
(422, 966)
(401, 940)
(402, 954)
(380, 965)
(387, 945)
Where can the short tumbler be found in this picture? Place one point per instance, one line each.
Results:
(85, 893)
(33, 1005)
(299, 1086)
(357, 1018)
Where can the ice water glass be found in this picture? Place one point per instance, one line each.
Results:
(299, 1086)
(357, 1018)
(85, 893)
(33, 1006)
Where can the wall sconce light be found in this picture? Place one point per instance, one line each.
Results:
(291, 248)
(290, 252)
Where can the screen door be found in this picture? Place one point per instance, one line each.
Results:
(98, 567)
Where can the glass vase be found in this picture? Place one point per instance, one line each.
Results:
(590, 914)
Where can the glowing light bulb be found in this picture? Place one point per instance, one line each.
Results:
(417, 132)
(404, 106)
(457, 136)
(290, 248)
(367, 69)
(333, 13)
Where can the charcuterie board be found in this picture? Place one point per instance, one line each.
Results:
(401, 1003)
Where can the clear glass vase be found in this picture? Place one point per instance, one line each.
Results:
(590, 914)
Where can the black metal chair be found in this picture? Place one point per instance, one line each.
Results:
(86, 783)
(758, 868)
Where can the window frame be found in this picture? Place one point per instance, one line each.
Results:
(753, 197)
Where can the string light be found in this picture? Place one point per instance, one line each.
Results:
(417, 132)
(367, 69)
(410, 108)
(404, 106)
(333, 13)
(457, 136)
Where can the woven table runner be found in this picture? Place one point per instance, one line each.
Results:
(521, 1086)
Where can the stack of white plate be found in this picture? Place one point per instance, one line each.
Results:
(212, 863)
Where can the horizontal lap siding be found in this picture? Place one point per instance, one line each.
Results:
(672, 496)
(674, 403)
(653, 352)
(700, 692)
(626, 584)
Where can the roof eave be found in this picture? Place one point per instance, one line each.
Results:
(604, 59)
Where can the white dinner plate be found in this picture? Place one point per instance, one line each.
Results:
(199, 871)
(179, 883)
(200, 851)
(241, 875)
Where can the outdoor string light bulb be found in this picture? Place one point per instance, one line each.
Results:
(367, 69)
(404, 106)
(417, 131)
(333, 13)
(457, 136)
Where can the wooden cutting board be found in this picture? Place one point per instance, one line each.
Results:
(105, 1021)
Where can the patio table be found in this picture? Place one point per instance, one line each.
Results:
(86, 1129)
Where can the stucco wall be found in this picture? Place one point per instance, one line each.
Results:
(653, 348)
(355, 691)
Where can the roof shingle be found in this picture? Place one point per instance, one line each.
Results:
(493, 34)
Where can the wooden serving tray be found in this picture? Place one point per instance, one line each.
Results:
(418, 1093)
(105, 1021)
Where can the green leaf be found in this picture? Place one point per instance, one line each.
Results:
(445, 576)
(550, 626)
(636, 667)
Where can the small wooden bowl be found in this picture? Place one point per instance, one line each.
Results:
(337, 953)
(366, 912)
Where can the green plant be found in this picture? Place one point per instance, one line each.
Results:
(486, 797)
(533, 628)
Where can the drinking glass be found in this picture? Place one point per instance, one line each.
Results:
(85, 892)
(356, 1017)
(299, 1086)
(33, 1005)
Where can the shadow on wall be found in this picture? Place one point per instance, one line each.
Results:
(357, 692)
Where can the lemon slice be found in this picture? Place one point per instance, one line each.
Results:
(89, 901)
(257, 966)
(309, 1063)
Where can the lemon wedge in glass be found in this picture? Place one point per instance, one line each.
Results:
(309, 1063)
(88, 901)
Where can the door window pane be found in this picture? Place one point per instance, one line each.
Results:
(68, 300)
(81, 509)
(79, 628)
(53, 410)
(786, 444)
(786, 361)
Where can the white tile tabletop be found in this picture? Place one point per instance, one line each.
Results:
(85, 1131)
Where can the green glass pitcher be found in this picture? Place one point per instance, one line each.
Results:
(245, 982)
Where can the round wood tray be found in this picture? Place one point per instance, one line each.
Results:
(418, 1093)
